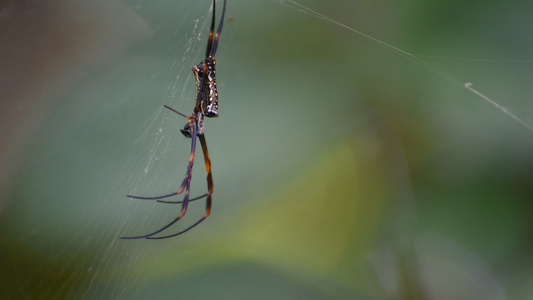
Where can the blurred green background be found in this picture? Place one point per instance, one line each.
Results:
(342, 170)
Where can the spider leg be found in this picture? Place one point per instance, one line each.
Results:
(175, 202)
(181, 114)
(209, 192)
(219, 30)
(182, 187)
(186, 186)
(203, 143)
(211, 32)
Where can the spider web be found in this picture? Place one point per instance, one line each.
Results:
(302, 84)
(416, 59)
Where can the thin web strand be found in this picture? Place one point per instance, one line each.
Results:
(469, 86)
(296, 6)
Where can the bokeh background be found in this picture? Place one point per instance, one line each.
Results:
(343, 169)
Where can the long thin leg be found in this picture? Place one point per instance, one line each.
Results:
(190, 200)
(210, 42)
(207, 161)
(219, 30)
(182, 186)
(179, 113)
(164, 201)
(208, 201)
(187, 186)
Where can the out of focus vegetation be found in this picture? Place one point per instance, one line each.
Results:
(342, 169)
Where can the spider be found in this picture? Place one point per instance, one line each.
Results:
(206, 106)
